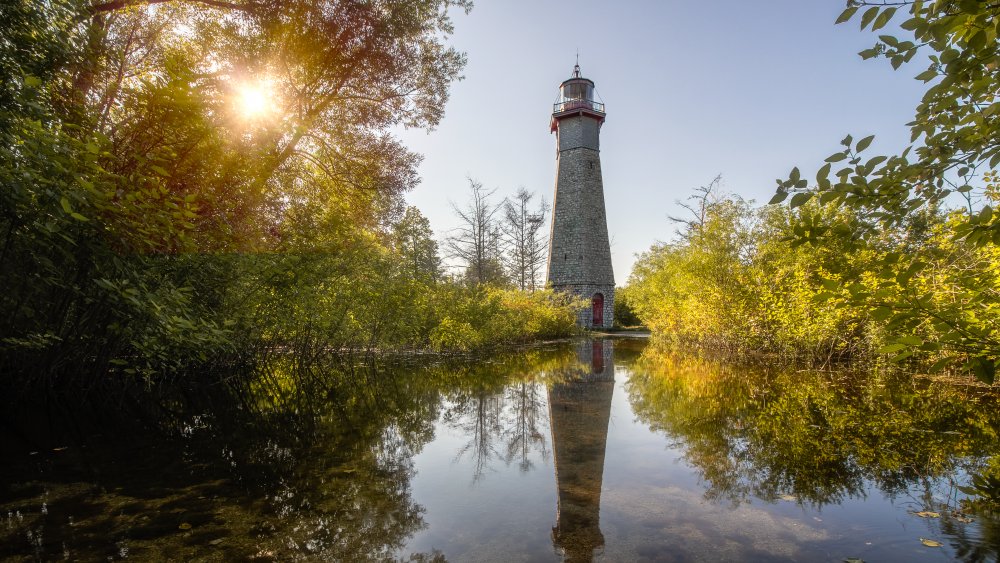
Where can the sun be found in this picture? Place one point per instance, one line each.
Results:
(256, 99)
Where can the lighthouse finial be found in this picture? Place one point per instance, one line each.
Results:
(576, 67)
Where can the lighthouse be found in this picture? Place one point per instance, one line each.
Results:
(579, 249)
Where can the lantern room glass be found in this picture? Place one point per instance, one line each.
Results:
(577, 90)
(576, 94)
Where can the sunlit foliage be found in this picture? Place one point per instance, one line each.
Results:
(954, 134)
(188, 187)
(883, 256)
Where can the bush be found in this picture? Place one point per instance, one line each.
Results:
(452, 335)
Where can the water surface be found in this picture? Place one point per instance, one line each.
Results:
(603, 450)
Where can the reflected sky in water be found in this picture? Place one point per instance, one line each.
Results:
(607, 450)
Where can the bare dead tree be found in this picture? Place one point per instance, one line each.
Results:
(702, 201)
(476, 242)
(524, 240)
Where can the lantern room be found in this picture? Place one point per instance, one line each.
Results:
(576, 97)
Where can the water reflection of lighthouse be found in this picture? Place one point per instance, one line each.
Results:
(579, 410)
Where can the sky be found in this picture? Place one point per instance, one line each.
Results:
(692, 90)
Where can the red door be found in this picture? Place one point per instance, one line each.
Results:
(598, 316)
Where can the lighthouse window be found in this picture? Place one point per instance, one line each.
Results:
(591, 164)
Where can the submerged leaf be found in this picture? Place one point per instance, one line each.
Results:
(927, 514)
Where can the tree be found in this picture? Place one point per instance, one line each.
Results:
(185, 179)
(524, 240)
(413, 240)
(171, 84)
(955, 146)
(703, 198)
(476, 241)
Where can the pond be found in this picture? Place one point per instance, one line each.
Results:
(608, 450)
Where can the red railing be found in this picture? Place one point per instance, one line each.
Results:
(570, 105)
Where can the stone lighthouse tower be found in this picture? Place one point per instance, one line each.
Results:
(579, 251)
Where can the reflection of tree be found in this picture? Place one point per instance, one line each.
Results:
(477, 416)
(503, 424)
(315, 463)
(978, 544)
(499, 406)
(816, 436)
(316, 468)
(528, 415)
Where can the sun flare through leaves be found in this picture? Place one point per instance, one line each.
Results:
(256, 99)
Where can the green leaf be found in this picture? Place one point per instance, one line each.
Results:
(32, 81)
(78, 217)
(864, 143)
(891, 348)
(837, 157)
(927, 75)
(846, 14)
(883, 18)
(995, 160)
(910, 340)
(904, 277)
(868, 53)
(874, 161)
(984, 369)
(800, 199)
(65, 205)
(823, 173)
(978, 40)
(868, 16)
(778, 197)
(985, 214)
(881, 313)
(902, 356)
(939, 365)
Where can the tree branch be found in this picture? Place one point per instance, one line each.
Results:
(116, 5)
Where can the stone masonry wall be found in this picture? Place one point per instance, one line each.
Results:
(579, 248)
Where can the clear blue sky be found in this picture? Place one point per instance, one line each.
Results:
(746, 89)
